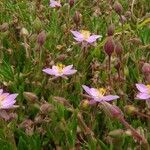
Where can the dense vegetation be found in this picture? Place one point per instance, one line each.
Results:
(56, 111)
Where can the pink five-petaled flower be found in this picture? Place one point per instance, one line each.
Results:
(60, 70)
(7, 100)
(98, 95)
(144, 91)
(85, 36)
(54, 3)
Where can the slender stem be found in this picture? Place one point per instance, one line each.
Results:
(142, 115)
(109, 69)
(136, 135)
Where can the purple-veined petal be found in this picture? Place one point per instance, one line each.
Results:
(4, 95)
(1, 91)
(79, 39)
(143, 96)
(87, 89)
(54, 4)
(93, 38)
(95, 93)
(68, 68)
(8, 104)
(10, 98)
(110, 97)
(77, 34)
(49, 71)
(69, 72)
(142, 88)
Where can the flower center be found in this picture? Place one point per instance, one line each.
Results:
(102, 92)
(2, 97)
(60, 68)
(86, 34)
(148, 87)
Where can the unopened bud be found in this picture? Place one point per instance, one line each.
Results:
(77, 17)
(109, 46)
(37, 24)
(118, 8)
(46, 107)
(136, 41)
(111, 30)
(123, 19)
(30, 96)
(146, 68)
(116, 133)
(71, 2)
(118, 48)
(128, 14)
(4, 27)
(130, 109)
(118, 65)
(85, 104)
(24, 32)
(41, 38)
(112, 110)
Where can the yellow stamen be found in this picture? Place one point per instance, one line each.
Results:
(148, 86)
(102, 91)
(2, 97)
(86, 34)
(60, 67)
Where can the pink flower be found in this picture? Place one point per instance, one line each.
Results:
(7, 100)
(98, 95)
(144, 91)
(85, 36)
(60, 70)
(54, 3)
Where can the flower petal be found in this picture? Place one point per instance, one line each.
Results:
(95, 93)
(68, 68)
(93, 38)
(79, 39)
(77, 34)
(110, 97)
(143, 96)
(87, 89)
(1, 91)
(49, 71)
(142, 88)
(69, 72)
(9, 98)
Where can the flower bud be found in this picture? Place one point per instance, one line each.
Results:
(118, 65)
(24, 32)
(46, 107)
(118, 48)
(77, 17)
(109, 46)
(71, 2)
(146, 68)
(41, 38)
(85, 104)
(128, 14)
(130, 109)
(30, 96)
(116, 133)
(118, 8)
(123, 19)
(37, 24)
(111, 30)
(112, 110)
(4, 27)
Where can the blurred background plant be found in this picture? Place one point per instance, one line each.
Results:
(52, 113)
